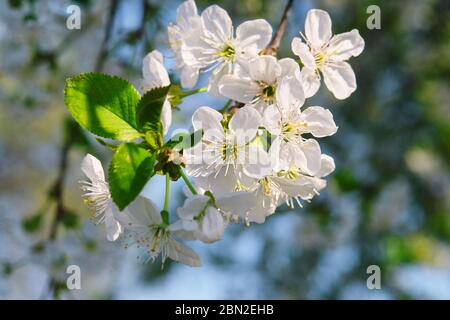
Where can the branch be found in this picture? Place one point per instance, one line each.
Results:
(276, 40)
(57, 189)
(58, 186)
(101, 57)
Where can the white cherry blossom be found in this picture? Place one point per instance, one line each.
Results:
(326, 54)
(98, 197)
(226, 159)
(259, 88)
(285, 186)
(215, 45)
(147, 229)
(202, 216)
(156, 76)
(285, 120)
(188, 22)
(250, 160)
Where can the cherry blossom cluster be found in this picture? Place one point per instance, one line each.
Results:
(260, 151)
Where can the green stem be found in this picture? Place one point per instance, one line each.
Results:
(166, 198)
(191, 92)
(188, 183)
(226, 107)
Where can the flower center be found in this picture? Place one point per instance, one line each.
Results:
(160, 233)
(322, 57)
(97, 197)
(265, 183)
(229, 151)
(292, 129)
(269, 92)
(227, 52)
(291, 174)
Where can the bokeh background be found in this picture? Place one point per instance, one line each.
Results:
(387, 204)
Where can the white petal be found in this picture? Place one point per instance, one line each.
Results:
(209, 120)
(212, 226)
(238, 203)
(200, 157)
(292, 155)
(154, 72)
(259, 163)
(327, 166)
(265, 69)
(217, 24)
(220, 182)
(318, 27)
(242, 59)
(301, 187)
(184, 229)
(166, 116)
(155, 55)
(346, 44)
(197, 53)
(256, 33)
(265, 205)
(275, 154)
(311, 150)
(244, 124)
(289, 67)
(185, 12)
(216, 76)
(189, 77)
(310, 81)
(304, 155)
(339, 79)
(260, 105)
(112, 226)
(246, 181)
(290, 96)
(237, 88)
(180, 253)
(143, 212)
(300, 49)
(272, 119)
(193, 206)
(318, 183)
(92, 168)
(319, 121)
(259, 213)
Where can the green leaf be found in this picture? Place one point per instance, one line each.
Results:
(32, 223)
(184, 140)
(346, 180)
(154, 140)
(149, 111)
(106, 144)
(70, 220)
(130, 169)
(105, 105)
(15, 4)
(8, 269)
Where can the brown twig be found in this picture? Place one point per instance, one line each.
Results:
(276, 40)
(103, 53)
(58, 186)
